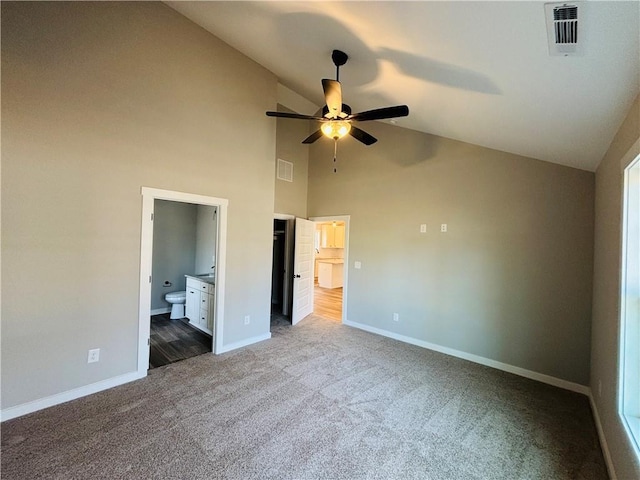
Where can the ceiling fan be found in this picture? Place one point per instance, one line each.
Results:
(337, 119)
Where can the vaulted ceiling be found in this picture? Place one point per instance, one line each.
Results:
(480, 72)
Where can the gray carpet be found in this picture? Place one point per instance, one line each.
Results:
(317, 401)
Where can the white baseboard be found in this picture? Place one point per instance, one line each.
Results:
(159, 311)
(603, 440)
(540, 377)
(58, 398)
(244, 343)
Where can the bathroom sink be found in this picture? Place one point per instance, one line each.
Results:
(207, 277)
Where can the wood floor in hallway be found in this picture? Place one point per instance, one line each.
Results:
(327, 302)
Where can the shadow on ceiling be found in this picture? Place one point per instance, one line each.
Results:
(297, 37)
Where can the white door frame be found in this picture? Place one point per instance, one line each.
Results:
(345, 270)
(149, 195)
(288, 254)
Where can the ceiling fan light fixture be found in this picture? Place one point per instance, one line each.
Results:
(336, 129)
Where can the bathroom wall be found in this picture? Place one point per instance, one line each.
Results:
(206, 238)
(174, 248)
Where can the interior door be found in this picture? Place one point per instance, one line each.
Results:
(303, 270)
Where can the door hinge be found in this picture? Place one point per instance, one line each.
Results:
(149, 278)
(148, 341)
(152, 217)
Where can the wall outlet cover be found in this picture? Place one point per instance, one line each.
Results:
(94, 355)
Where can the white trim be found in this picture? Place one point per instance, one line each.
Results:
(603, 440)
(58, 398)
(283, 216)
(345, 271)
(160, 311)
(540, 377)
(244, 343)
(628, 386)
(149, 195)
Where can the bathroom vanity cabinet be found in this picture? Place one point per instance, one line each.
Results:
(200, 304)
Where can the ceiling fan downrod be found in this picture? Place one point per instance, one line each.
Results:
(339, 58)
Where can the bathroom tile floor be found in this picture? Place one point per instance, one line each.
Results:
(175, 340)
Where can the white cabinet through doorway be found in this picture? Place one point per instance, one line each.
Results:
(332, 236)
(200, 305)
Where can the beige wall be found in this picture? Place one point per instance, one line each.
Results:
(98, 100)
(606, 292)
(510, 280)
(291, 197)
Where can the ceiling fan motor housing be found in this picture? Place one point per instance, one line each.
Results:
(337, 119)
(339, 58)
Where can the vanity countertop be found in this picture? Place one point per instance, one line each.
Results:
(203, 278)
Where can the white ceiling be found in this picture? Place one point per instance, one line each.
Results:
(479, 71)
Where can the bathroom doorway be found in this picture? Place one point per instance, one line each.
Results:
(184, 243)
(330, 269)
(203, 258)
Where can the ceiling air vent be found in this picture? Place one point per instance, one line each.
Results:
(285, 170)
(563, 22)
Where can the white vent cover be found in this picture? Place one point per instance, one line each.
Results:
(563, 28)
(285, 170)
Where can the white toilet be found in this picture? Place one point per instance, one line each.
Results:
(177, 301)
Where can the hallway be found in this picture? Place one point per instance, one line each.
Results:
(327, 302)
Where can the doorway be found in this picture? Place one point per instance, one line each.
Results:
(149, 197)
(278, 268)
(282, 267)
(184, 243)
(334, 299)
(329, 267)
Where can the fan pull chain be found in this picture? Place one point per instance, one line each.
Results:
(335, 154)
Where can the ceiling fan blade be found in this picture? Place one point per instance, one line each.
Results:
(293, 115)
(313, 137)
(362, 136)
(333, 97)
(380, 113)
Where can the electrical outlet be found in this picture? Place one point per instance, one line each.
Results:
(247, 319)
(396, 317)
(443, 227)
(357, 265)
(94, 355)
(423, 228)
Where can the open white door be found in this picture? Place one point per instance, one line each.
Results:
(303, 270)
